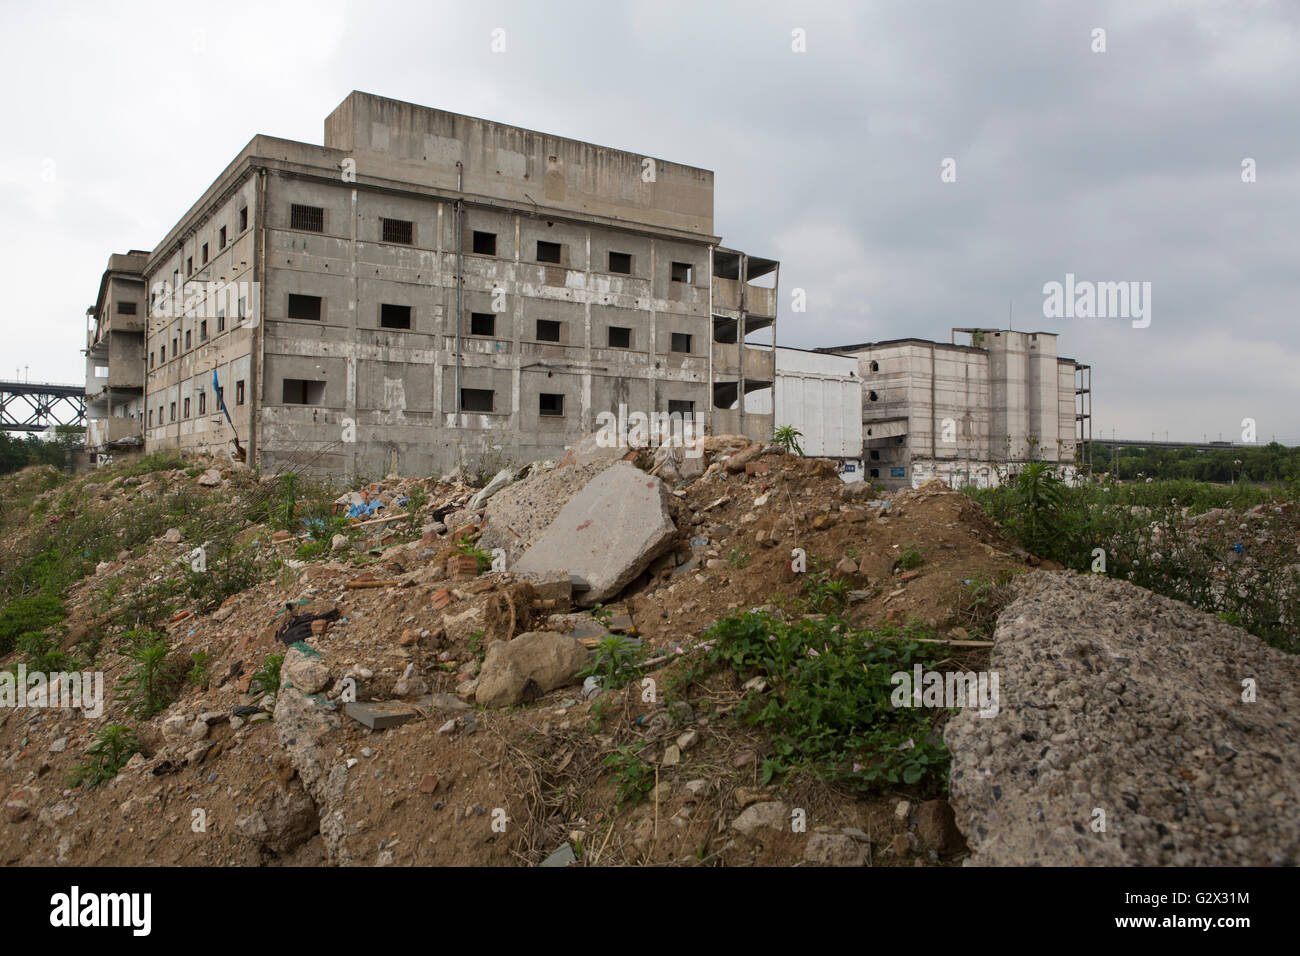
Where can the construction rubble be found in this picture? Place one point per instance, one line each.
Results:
(433, 707)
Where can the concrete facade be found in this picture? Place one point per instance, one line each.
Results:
(820, 394)
(429, 289)
(965, 412)
(115, 408)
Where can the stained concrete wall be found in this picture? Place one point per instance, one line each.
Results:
(963, 411)
(381, 399)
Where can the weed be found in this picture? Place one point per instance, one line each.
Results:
(614, 662)
(787, 436)
(483, 556)
(912, 557)
(198, 672)
(632, 775)
(113, 747)
(267, 677)
(737, 559)
(829, 709)
(145, 688)
(824, 594)
(28, 614)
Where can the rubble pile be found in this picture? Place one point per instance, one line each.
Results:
(441, 643)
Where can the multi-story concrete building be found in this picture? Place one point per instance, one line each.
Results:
(965, 412)
(427, 289)
(115, 408)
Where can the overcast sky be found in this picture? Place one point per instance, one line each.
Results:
(1122, 165)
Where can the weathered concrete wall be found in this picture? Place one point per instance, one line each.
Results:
(338, 391)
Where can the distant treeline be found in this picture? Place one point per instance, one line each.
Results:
(16, 453)
(1264, 463)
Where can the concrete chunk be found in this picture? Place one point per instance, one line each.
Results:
(380, 715)
(607, 534)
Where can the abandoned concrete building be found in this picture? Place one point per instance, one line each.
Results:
(115, 406)
(428, 289)
(967, 412)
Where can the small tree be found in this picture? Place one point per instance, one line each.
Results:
(787, 436)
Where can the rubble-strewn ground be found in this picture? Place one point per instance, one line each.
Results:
(657, 770)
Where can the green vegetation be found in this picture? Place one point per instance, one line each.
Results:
(737, 558)
(829, 707)
(615, 662)
(18, 453)
(198, 672)
(1263, 463)
(1143, 533)
(787, 436)
(25, 615)
(113, 747)
(267, 677)
(912, 557)
(632, 775)
(147, 689)
(483, 556)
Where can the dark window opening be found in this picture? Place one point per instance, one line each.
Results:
(172, 411)
(189, 266)
(301, 391)
(619, 337)
(151, 359)
(205, 254)
(550, 405)
(476, 399)
(875, 456)
(151, 418)
(239, 392)
(725, 330)
(482, 323)
(398, 230)
(684, 409)
(203, 403)
(188, 344)
(875, 366)
(303, 307)
(681, 342)
(243, 219)
(185, 412)
(681, 272)
(620, 262)
(221, 238)
(307, 218)
(221, 320)
(485, 243)
(203, 331)
(548, 330)
(873, 396)
(175, 346)
(875, 472)
(126, 308)
(548, 251)
(394, 316)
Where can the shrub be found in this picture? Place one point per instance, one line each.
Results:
(113, 747)
(614, 662)
(145, 688)
(267, 677)
(23, 615)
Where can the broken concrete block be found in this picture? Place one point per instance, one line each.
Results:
(379, 715)
(550, 660)
(499, 481)
(305, 671)
(607, 534)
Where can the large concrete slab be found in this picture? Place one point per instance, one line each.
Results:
(607, 534)
(519, 513)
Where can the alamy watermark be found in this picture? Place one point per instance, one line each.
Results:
(642, 430)
(83, 690)
(236, 302)
(1084, 299)
(922, 688)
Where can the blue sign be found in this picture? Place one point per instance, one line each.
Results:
(896, 472)
(850, 467)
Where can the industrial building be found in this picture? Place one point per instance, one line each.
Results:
(115, 406)
(820, 394)
(428, 290)
(971, 411)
